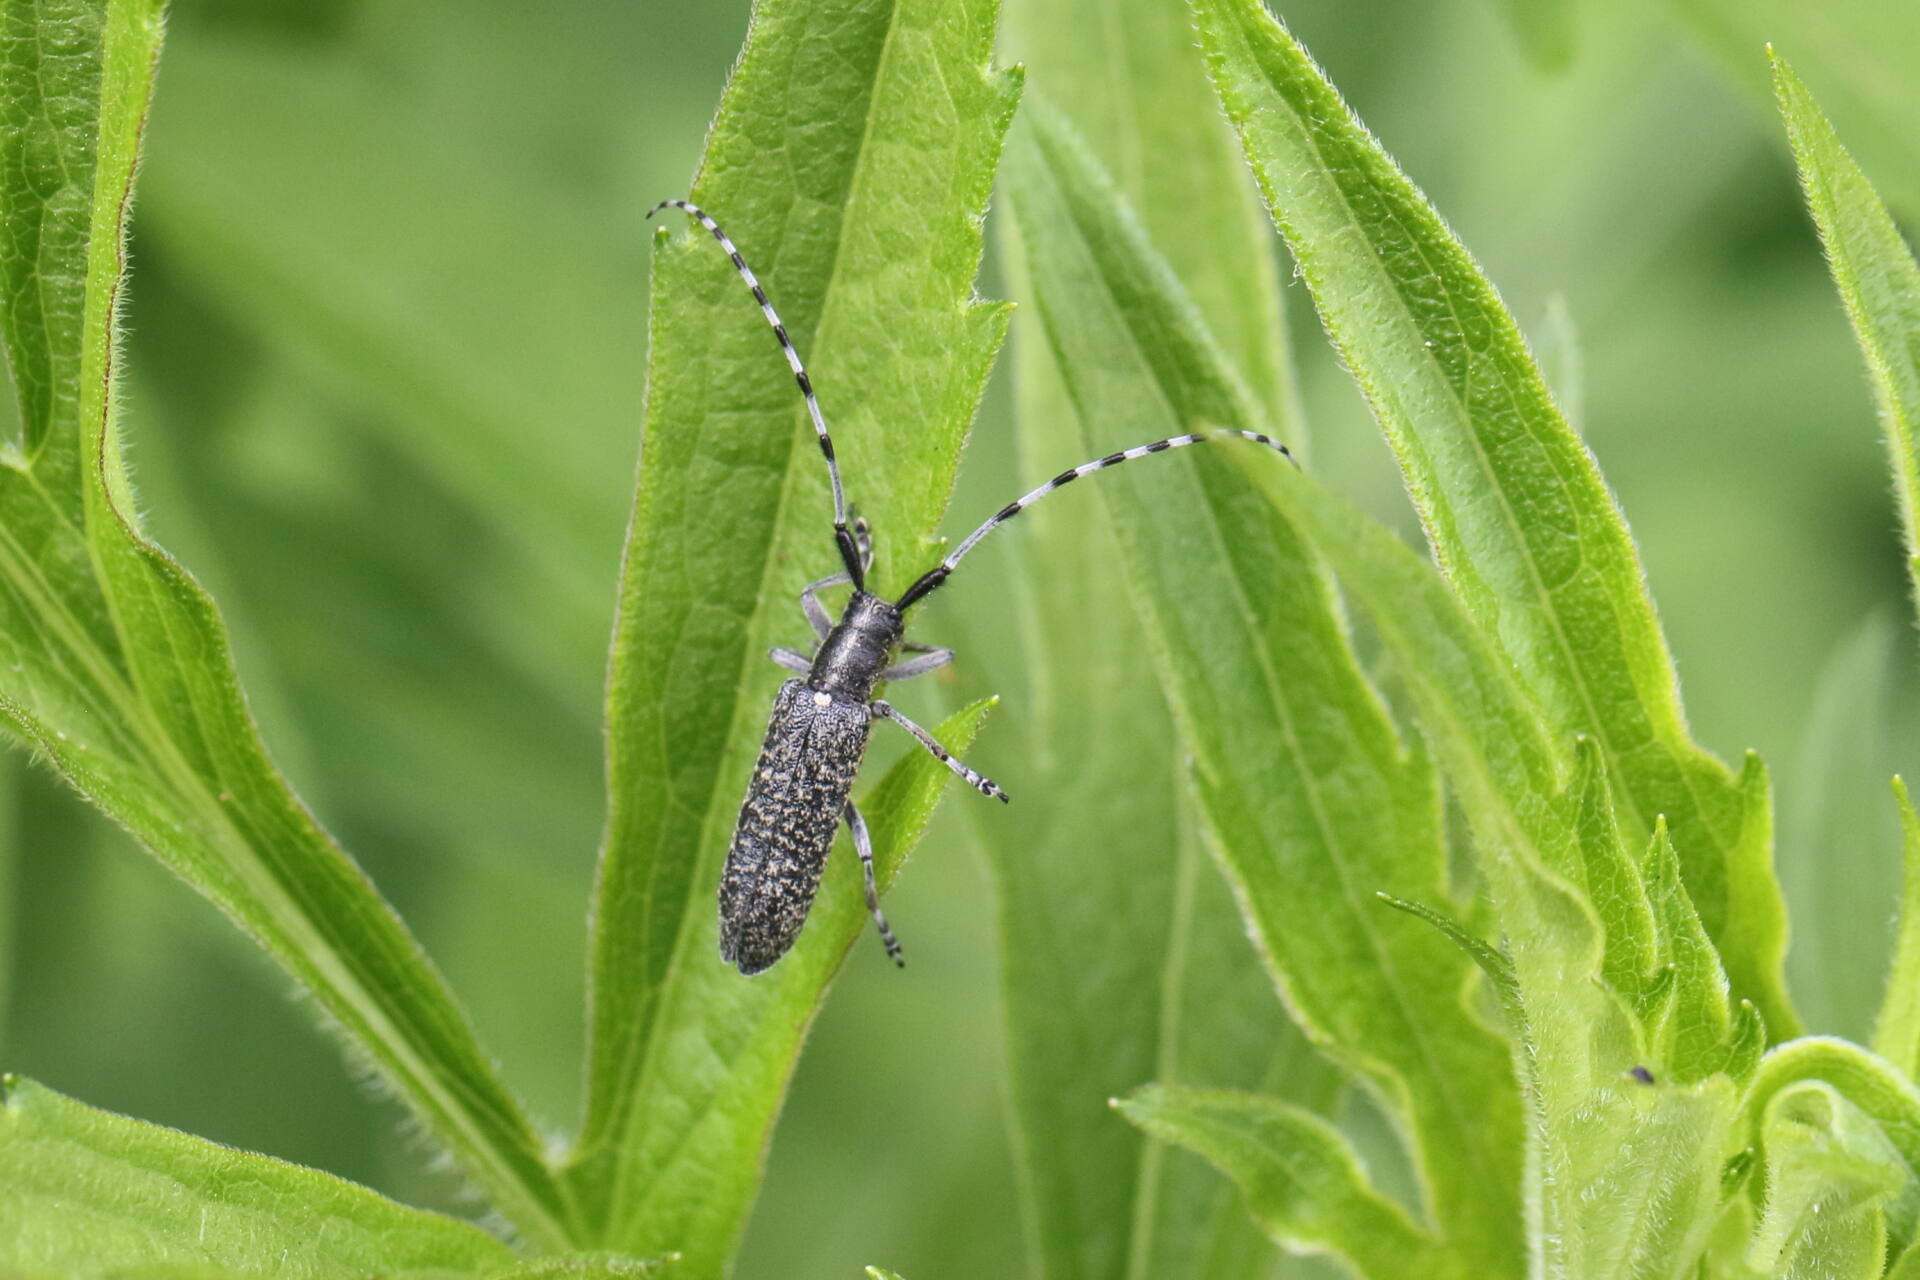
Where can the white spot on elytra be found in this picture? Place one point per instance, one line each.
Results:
(822, 699)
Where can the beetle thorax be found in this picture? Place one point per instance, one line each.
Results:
(858, 649)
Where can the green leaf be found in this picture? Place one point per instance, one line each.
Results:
(1497, 967)
(1512, 503)
(1896, 1033)
(1726, 1254)
(1692, 1036)
(1868, 1083)
(1878, 280)
(1123, 936)
(1308, 794)
(902, 130)
(1830, 1172)
(694, 1155)
(116, 664)
(1627, 1141)
(850, 161)
(94, 1193)
(1614, 885)
(1301, 1181)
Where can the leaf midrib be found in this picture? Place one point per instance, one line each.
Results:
(50, 608)
(628, 1115)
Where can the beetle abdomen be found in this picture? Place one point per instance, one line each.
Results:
(794, 801)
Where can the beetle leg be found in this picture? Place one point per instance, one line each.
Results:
(811, 606)
(985, 786)
(791, 659)
(863, 845)
(929, 660)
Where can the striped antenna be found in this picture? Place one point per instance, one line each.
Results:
(933, 577)
(849, 550)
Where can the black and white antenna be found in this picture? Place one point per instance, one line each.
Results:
(842, 535)
(933, 577)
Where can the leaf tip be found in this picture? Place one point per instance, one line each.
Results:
(1785, 79)
(1795, 101)
(1138, 1105)
(1781, 71)
(1746, 1041)
(1733, 1174)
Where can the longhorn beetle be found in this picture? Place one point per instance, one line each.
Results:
(817, 734)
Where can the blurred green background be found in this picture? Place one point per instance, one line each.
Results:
(386, 339)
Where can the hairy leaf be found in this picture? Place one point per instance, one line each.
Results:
(1830, 1171)
(1696, 1023)
(688, 1168)
(850, 162)
(1873, 1087)
(1301, 1180)
(1628, 1132)
(908, 370)
(1614, 884)
(117, 667)
(93, 1193)
(1513, 504)
(1878, 280)
(1308, 794)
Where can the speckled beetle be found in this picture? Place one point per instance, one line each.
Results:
(817, 735)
